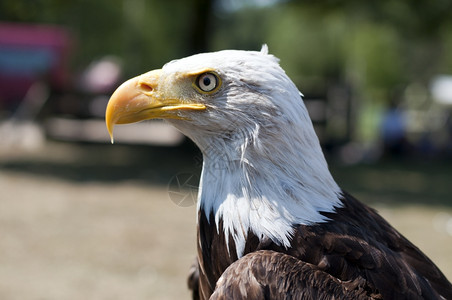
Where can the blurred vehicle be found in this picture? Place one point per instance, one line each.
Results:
(28, 54)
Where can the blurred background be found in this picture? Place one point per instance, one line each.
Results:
(81, 218)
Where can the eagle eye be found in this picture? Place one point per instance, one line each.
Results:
(208, 82)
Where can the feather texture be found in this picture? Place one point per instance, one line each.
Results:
(355, 255)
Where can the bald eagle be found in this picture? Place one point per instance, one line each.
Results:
(272, 222)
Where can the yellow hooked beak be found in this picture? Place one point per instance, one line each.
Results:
(143, 98)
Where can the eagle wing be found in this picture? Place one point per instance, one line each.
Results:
(193, 280)
(356, 255)
(358, 244)
(267, 274)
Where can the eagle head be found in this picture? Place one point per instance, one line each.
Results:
(222, 97)
(263, 164)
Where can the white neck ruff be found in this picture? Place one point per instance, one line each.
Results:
(250, 191)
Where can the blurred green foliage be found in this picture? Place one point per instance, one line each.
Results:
(372, 45)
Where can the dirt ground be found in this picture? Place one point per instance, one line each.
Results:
(84, 222)
(63, 240)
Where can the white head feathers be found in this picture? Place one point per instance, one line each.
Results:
(263, 170)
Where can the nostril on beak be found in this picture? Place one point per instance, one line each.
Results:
(146, 87)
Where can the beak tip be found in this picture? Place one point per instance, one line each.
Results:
(110, 132)
(110, 125)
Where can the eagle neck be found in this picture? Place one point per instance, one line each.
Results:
(248, 192)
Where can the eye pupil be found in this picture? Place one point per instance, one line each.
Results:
(206, 81)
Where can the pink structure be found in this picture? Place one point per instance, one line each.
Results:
(29, 53)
